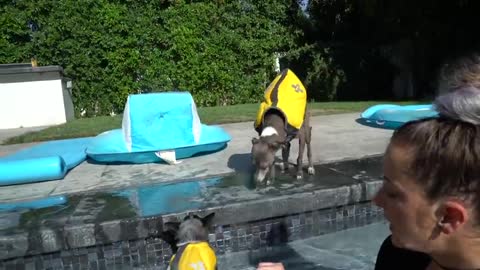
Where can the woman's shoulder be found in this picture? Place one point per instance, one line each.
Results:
(390, 257)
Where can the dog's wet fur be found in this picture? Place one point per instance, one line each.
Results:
(193, 228)
(271, 140)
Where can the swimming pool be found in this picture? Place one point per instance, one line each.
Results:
(118, 229)
(354, 248)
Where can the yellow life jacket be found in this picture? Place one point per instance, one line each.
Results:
(287, 94)
(194, 256)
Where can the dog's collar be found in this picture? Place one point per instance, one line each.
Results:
(189, 242)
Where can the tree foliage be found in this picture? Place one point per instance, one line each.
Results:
(221, 51)
(366, 44)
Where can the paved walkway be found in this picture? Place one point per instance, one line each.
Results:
(335, 137)
(7, 133)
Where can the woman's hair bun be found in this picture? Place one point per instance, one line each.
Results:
(461, 104)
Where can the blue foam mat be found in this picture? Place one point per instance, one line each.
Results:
(42, 162)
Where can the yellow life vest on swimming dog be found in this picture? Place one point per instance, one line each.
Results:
(287, 94)
(194, 256)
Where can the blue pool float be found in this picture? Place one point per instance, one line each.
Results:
(157, 124)
(390, 116)
(43, 162)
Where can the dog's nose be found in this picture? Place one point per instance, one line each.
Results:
(261, 175)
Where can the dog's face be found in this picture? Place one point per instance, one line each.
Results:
(192, 228)
(263, 156)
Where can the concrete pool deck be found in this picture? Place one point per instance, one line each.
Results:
(335, 137)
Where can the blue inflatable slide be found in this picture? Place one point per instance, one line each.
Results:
(389, 116)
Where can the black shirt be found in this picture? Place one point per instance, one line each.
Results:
(390, 257)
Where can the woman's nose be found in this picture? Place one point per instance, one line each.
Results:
(377, 199)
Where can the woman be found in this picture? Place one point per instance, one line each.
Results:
(431, 189)
(442, 186)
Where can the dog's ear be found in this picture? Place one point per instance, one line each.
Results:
(273, 145)
(255, 140)
(170, 238)
(169, 235)
(172, 226)
(207, 220)
(280, 143)
(276, 145)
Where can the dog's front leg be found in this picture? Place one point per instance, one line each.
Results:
(301, 149)
(285, 154)
(308, 139)
(271, 177)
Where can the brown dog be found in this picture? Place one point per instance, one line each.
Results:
(189, 243)
(273, 136)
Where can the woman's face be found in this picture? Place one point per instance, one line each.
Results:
(411, 216)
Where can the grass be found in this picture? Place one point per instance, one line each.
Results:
(86, 127)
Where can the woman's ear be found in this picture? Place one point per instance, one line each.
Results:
(454, 215)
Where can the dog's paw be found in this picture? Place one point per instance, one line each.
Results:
(311, 170)
(283, 167)
(299, 176)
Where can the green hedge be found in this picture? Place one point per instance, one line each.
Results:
(220, 51)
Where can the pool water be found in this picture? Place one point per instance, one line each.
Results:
(354, 248)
